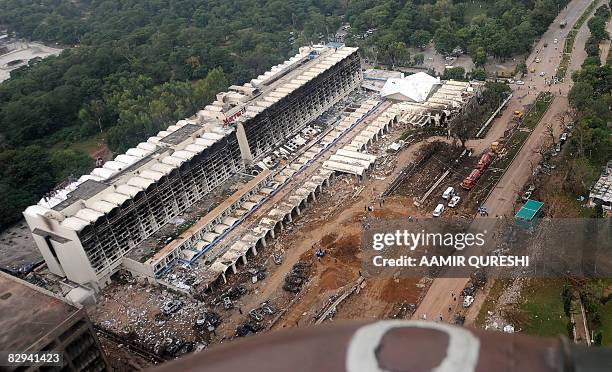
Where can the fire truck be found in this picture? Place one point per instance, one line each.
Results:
(470, 181)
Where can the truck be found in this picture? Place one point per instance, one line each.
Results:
(470, 181)
(485, 161)
(495, 147)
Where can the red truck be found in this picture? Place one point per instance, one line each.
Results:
(470, 181)
(485, 161)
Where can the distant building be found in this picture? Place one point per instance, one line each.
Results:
(35, 320)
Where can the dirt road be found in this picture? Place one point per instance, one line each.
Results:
(501, 200)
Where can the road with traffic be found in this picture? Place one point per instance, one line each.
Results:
(501, 200)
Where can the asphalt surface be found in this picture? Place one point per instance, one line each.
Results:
(500, 202)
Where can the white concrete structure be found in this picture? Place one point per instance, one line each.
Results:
(413, 88)
(85, 230)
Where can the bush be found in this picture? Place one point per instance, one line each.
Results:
(566, 294)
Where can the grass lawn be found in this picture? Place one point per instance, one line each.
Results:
(606, 323)
(601, 288)
(87, 146)
(542, 308)
(538, 110)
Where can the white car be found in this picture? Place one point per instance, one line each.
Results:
(468, 301)
(438, 211)
(454, 201)
(542, 73)
(520, 82)
(537, 60)
(555, 41)
(448, 193)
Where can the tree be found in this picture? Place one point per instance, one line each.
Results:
(420, 38)
(480, 57)
(419, 58)
(597, 338)
(521, 68)
(580, 95)
(566, 295)
(68, 162)
(463, 127)
(454, 73)
(445, 39)
(479, 74)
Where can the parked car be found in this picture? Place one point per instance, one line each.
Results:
(542, 73)
(438, 211)
(558, 148)
(563, 137)
(538, 60)
(448, 193)
(171, 307)
(468, 301)
(520, 82)
(555, 41)
(454, 201)
(528, 192)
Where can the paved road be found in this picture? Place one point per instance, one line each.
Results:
(606, 44)
(438, 298)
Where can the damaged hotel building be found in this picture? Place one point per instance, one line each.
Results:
(259, 137)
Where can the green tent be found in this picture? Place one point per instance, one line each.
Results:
(530, 211)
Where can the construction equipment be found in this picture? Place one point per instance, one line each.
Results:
(495, 147)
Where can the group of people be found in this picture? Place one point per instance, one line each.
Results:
(450, 308)
(483, 211)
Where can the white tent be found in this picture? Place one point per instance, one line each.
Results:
(414, 88)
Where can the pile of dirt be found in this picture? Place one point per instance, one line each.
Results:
(328, 239)
(400, 290)
(335, 277)
(346, 249)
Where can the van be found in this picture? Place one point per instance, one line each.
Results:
(438, 211)
(448, 193)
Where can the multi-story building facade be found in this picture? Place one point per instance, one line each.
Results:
(85, 230)
(35, 320)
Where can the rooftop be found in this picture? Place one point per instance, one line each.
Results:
(602, 189)
(416, 88)
(529, 210)
(29, 313)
